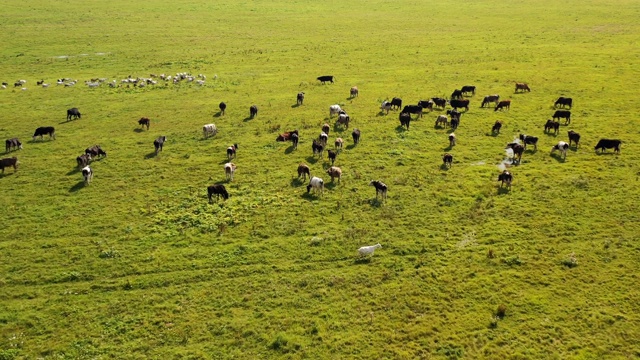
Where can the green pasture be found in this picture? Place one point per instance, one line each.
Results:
(139, 265)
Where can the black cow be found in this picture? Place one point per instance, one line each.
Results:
(412, 109)
(253, 111)
(573, 137)
(496, 127)
(294, 140)
(468, 89)
(552, 125)
(529, 140)
(604, 144)
(45, 130)
(144, 122)
(83, 160)
(158, 143)
(222, 107)
(456, 94)
(405, 120)
(231, 151)
(518, 150)
(447, 160)
(300, 98)
(455, 121)
(564, 101)
(217, 190)
(566, 114)
(460, 104)
(381, 188)
(505, 177)
(9, 162)
(396, 103)
(95, 151)
(12, 144)
(356, 136)
(332, 155)
(326, 78)
(490, 99)
(73, 113)
(439, 102)
(317, 147)
(454, 113)
(426, 104)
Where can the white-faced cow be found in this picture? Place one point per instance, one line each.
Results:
(381, 188)
(385, 106)
(353, 92)
(300, 98)
(505, 178)
(452, 140)
(209, 130)
(87, 174)
(317, 184)
(12, 144)
(562, 147)
(447, 160)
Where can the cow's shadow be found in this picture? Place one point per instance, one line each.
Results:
(312, 159)
(297, 182)
(381, 113)
(375, 202)
(503, 190)
(6, 174)
(444, 167)
(550, 133)
(77, 186)
(558, 158)
(138, 130)
(448, 148)
(331, 185)
(401, 129)
(310, 196)
(151, 155)
(75, 170)
(218, 114)
(226, 160)
(493, 134)
(295, 105)
(248, 118)
(601, 153)
(351, 146)
(574, 149)
(289, 150)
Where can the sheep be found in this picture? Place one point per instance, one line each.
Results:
(229, 170)
(368, 250)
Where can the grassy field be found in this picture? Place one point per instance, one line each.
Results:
(140, 265)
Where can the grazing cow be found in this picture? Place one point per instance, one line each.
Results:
(563, 101)
(566, 114)
(144, 122)
(325, 78)
(368, 250)
(229, 170)
(300, 98)
(13, 162)
(209, 130)
(353, 92)
(385, 106)
(381, 188)
(452, 139)
(455, 121)
(294, 140)
(323, 138)
(405, 119)
(439, 102)
(335, 172)
(505, 177)
(455, 114)
(573, 137)
(222, 107)
(73, 113)
(496, 127)
(456, 94)
(522, 87)
(604, 144)
(317, 147)
(426, 104)
(40, 82)
(413, 109)
(87, 174)
(460, 104)
(490, 99)
(217, 190)
(518, 150)
(286, 136)
(317, 184)
(253, 111)
(334, 109)
(356, 136)
(504, 104)
(45, 130)
(343, 119)
(442, 120)
(12, 144)
(562, 147)
(447, 160)
(159, 143)
(529, 140)
(552, 125)
(396, 103)
(83, 160)
(332, 155)
(231, 151)
(468, 89)
(95, 151)
(304, 171)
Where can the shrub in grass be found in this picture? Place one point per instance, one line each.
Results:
(571, 261)
(501, 311)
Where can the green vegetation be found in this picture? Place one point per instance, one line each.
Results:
(139, 265)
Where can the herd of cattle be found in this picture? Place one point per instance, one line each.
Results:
(319, 145)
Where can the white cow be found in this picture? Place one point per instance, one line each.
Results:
(368, 250)
(209, 130)
(229, 170)
(317, 184)
(87, 174)
(334, 109)
(562, 147)
(386, 106)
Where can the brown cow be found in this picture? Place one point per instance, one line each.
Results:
(522, 87)
(503, 104)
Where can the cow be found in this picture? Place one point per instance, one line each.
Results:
(222, 107)
(522, 87)
(563, 101)
(294, 140)
(459, 104)
(217, 190)
(356, 136)
(552, 125)
(529, 140)
(317, 147)
(468, 89)
(231, 151)
(73, 113)
(334, 109)
(325, 128)
(496, 127)
(332, 155)
(83, 160)
(335, 172)
(396, 103)
(323, 138)
(442, 120)
(7, 162)
(455, 121)
(253, 111)
(159, 143)
(456, 94)
(325, 78)
(286, 136)
(209, 130)
(455, 114)
(381, 188)
(353, 92)
(95, 151)
(447, 160)
(562, 147)
(304, 171)
(573, 137)
(385, 106)
(495, 98)
(343, 119)
(439, 102)
(300, 98)
(338, 143)
(45, 130)
(87, 174)
(426, 104)
(504, 104)
(518, 150)
(12, 144)
(405, 119)
(604, 144)
(144, 122)
(317, 184)
(229, 170)
(412, 109)
(452, 140)
(505, 177)
(566, 114)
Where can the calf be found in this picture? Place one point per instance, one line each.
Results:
(468, 89)
(229, 170)
(73, 113)
(496, 127)
(452, 139)
(505, 104)
(604, 144)
(353, 92)
(325, 78)
(46, 130)
(490, 99)
(529, 140)
(95, 151)
(87, 174)
(231, 151)
(335, 172)
(300, 98)
(566, 114)
(7, 162)
(522, 87)
(573, 137)
(253, 111)
(385, 106)
(217, 190)
(505, 177)
(222, 107)
(83, 160)
(304, 171)
(396, 103)
(405, 119)
(317, 184)
(209, 130)
(332, 155)
(563, 101)
(338, 143)
(356, 136)
(381, 188)
(144, 122)
(12, 144)
(562, 147)
(159, 143)
(447, 160)
(317, 147)
(552, 125)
